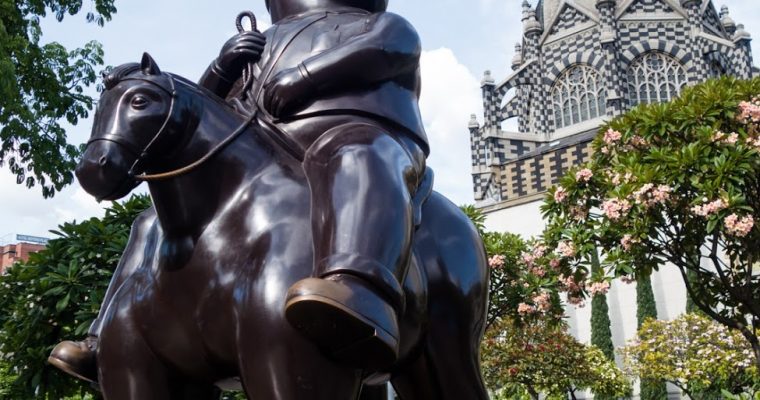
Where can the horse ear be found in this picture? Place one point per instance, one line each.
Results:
(149, 66)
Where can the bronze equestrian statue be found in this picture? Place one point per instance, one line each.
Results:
(294, 241)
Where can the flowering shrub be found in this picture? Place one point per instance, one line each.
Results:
(523, 283)
(674, 183)
(538, 358)
(694, 353)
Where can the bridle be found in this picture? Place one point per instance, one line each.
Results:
(144, 153)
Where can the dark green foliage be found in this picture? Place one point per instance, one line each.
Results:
(42, 85)
(601, 332)
(503, 296)
(478, 218)
(55, 296)
(646, 308)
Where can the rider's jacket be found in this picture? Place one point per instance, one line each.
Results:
(367, 62)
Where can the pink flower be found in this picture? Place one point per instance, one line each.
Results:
(720, 137)
(566, 249)
(638, 141)
(539, 250)
(560, 194)
(578, 213)
(554, 263)
(709, 208)
(525, 309)
(750, 111)
(569, 284)
(612, 136)
(583, 175)
(496, 261)
(528, 258)
(538, 271)
(543, 302)
(599, 288)
(615, 208)
(627, 242)
(650, 195)
(739, 227)
(753, 142)
(576, 299)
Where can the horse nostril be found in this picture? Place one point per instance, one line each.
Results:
(103, 161)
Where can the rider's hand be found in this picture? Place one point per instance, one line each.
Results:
(288, 90)
(242, 49)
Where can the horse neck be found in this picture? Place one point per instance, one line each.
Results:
(187, 203)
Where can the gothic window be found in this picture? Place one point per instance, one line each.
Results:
(578, 95)
(655, 77)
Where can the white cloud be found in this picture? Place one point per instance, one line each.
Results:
(27, 212)
(450, 93)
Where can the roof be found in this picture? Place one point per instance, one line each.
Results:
(582, 137)
(546, 10)
(552, 7)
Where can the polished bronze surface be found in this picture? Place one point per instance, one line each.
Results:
(76, 358)
(295, 240)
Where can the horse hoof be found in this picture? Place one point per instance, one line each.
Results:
(346, 319)
(76, 359)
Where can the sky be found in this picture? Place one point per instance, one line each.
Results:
(460, 38)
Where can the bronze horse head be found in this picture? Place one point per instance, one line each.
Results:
(199, 293)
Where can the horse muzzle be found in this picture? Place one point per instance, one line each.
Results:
(104, 171)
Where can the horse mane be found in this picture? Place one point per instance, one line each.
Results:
(114, 76)
(117, 74)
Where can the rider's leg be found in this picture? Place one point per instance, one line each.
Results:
(361, 180)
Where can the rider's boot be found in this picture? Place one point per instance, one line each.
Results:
(360, 179)
(77, 358)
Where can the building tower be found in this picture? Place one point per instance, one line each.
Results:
(581, 62)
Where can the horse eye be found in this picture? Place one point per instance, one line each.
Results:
(139, 102)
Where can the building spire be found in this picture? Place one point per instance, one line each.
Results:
(517, 60)
(728, 23)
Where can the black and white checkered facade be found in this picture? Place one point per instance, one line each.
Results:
(631, 50)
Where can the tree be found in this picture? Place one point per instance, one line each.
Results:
(674, 183)
(56, 295)
(520, 288)
(538, 358)
(651, 389)
(696, 354)
(601, 332)
(42, 85)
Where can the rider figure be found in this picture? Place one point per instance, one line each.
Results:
(336, 82)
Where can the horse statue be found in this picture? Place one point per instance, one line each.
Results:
(199, 293)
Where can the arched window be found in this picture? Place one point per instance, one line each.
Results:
(578, 95)
(655, 77)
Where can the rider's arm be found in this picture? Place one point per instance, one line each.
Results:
(215, 80)
(389, 48)
(237, 53)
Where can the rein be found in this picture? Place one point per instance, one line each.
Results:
(183, 170)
